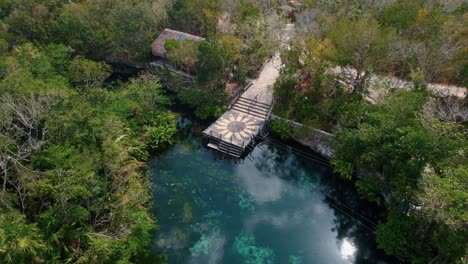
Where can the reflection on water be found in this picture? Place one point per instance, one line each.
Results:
(276, 208)
(347, 249)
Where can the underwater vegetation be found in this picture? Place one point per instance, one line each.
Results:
(210, 231)
(213, 214)
(187, 213)
(295, 259)
(306, 180)
(246, 203)
(201, 246)
(244, 245)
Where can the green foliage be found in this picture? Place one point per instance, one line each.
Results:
(444, 198)
(184, 53)
(216, 57)
(401, 14)
(418, 80)
(184, 18)
(389, 137)
(409, 233)
(370, 188)
(59, 56)
(171, 44)
(360, 44)
(429, 37)
(343, 167)
(207, 102)
(84, 73)
(393, 141)
(119, 29)
(247, 10)
(75, 188)
(317, 100)
(160, 130)
(195, 16)
(401, 146)
(240, 75)
(20, 242)
(281, 128)
(284, 91)
(77, 160)
(210, 64)
(30, 58)
(147, 90)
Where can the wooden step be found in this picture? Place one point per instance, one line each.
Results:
(213, 146)
(249, 113)
(227, 149)
(251, 100)
(253, 103)
(252, 109)
(232, 154)
(230, 146)
(231, 149)
(235, 150)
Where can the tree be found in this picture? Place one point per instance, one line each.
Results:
(22, 133)
(444, 198)
(401, 14)
(86, 73)
(362, 45)
(20, 242)
(24, 25)
(29, 58)
(404, 236)
(391, 140)
(197, 17)
(207, 102)
(147, 90)
(217, 57)
(407, 150)
(131, 28)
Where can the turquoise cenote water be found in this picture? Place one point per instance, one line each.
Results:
(277, 207)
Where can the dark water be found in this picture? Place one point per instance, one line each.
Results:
(281, 207)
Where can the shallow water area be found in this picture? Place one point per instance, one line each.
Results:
(280, 206)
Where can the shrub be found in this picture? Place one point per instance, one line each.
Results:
(281, 128)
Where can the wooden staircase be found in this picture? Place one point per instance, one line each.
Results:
(252, 107)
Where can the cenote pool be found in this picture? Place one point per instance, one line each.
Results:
(278, 207)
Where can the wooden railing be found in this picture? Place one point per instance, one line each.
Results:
(238, 94)
(270, 109)
(229, 145)
(254, 101)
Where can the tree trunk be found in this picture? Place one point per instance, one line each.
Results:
(4, 164)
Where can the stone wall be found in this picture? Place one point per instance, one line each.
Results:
(317, 140)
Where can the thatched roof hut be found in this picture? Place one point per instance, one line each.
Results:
(157, 48)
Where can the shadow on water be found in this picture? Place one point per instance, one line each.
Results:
(279, 207)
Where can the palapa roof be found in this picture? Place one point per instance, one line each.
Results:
(157, 48)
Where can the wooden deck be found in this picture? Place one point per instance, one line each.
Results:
(238, 128)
